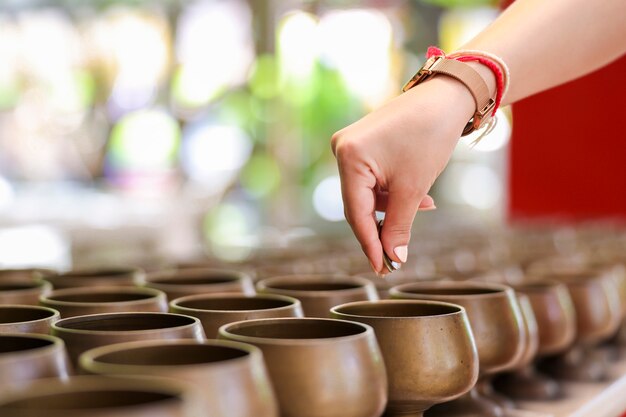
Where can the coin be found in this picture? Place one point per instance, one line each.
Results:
(389, 264)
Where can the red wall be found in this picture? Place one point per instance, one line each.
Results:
(568, 150)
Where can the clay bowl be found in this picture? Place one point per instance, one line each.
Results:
(26, 319)
(92, 277)
(598, 315)
(441, 367)
(96, 396)
(25, 293)
(82, 333)
(25, 357)
(215, 310)
(183, 282)
(319, 293)
(597, 304)
(22, 274)
(383, 285)
(319, 367)
(232, 375)
(554, 312)
(82, 301)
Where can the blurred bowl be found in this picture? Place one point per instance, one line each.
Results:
(25, 293)
(92, 277)
(183, 282)
(82, 333)
(82, 301)
(95, 396)
(319, 293)
(25, 357)
(232, 375)
(27, 319)
(22, 274)
(215, 310)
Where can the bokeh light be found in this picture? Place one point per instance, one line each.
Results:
(144, 141)
(212, 154)
(480, 186)
(327, 199)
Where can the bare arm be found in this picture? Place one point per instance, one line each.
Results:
(389, 159)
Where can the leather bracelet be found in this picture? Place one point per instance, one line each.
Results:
(469, 77)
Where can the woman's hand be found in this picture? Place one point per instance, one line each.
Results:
(389, 159)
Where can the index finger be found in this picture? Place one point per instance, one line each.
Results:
(358, 196)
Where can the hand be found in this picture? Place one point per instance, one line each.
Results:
(389, 159)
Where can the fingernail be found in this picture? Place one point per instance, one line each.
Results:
(401, 252)
(430, 208)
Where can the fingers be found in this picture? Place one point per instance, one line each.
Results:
(357, 184)
(382, 198)
(396, 233)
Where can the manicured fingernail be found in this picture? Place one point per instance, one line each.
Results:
(429, 208)
(401, 252)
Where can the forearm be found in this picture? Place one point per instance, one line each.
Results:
(547, 43)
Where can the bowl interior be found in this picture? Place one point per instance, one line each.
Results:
(296, 329)
(198, 280)
(95, 297)
(89, 399)
(234, 304)
(125, 322)
(397, 309)
(12, 344)
(21, 314)
(16, 286)
(171, 355)
(96, 273)
(450, 290)
(312, 286)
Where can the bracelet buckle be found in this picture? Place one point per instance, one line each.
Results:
(423, 73)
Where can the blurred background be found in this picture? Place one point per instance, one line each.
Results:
(146, 129)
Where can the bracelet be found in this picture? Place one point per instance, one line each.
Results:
(438, 63)
(491, 61)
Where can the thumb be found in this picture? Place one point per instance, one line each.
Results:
(396, 231)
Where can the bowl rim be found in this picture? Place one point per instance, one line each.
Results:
(224, 333)
(89, 362)
(156, 277)
(55, 313)
(458, 310)
(154, 293)
(497, 290)
(56, 344)
(175, 303)
(360, 284)
(57, 326)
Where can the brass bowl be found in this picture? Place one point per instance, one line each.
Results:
(597, 304)
(82, 333)
(319, 367)
(22, 274)
(493, 312)
(96, 396)
(25, 357)
(232, 375)
(82, 301)
(92, 277)
(215, 310)
(26, 319)
(25, 293)
(555, 314)
(441, 367)
(183, 282)
(319, 293)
